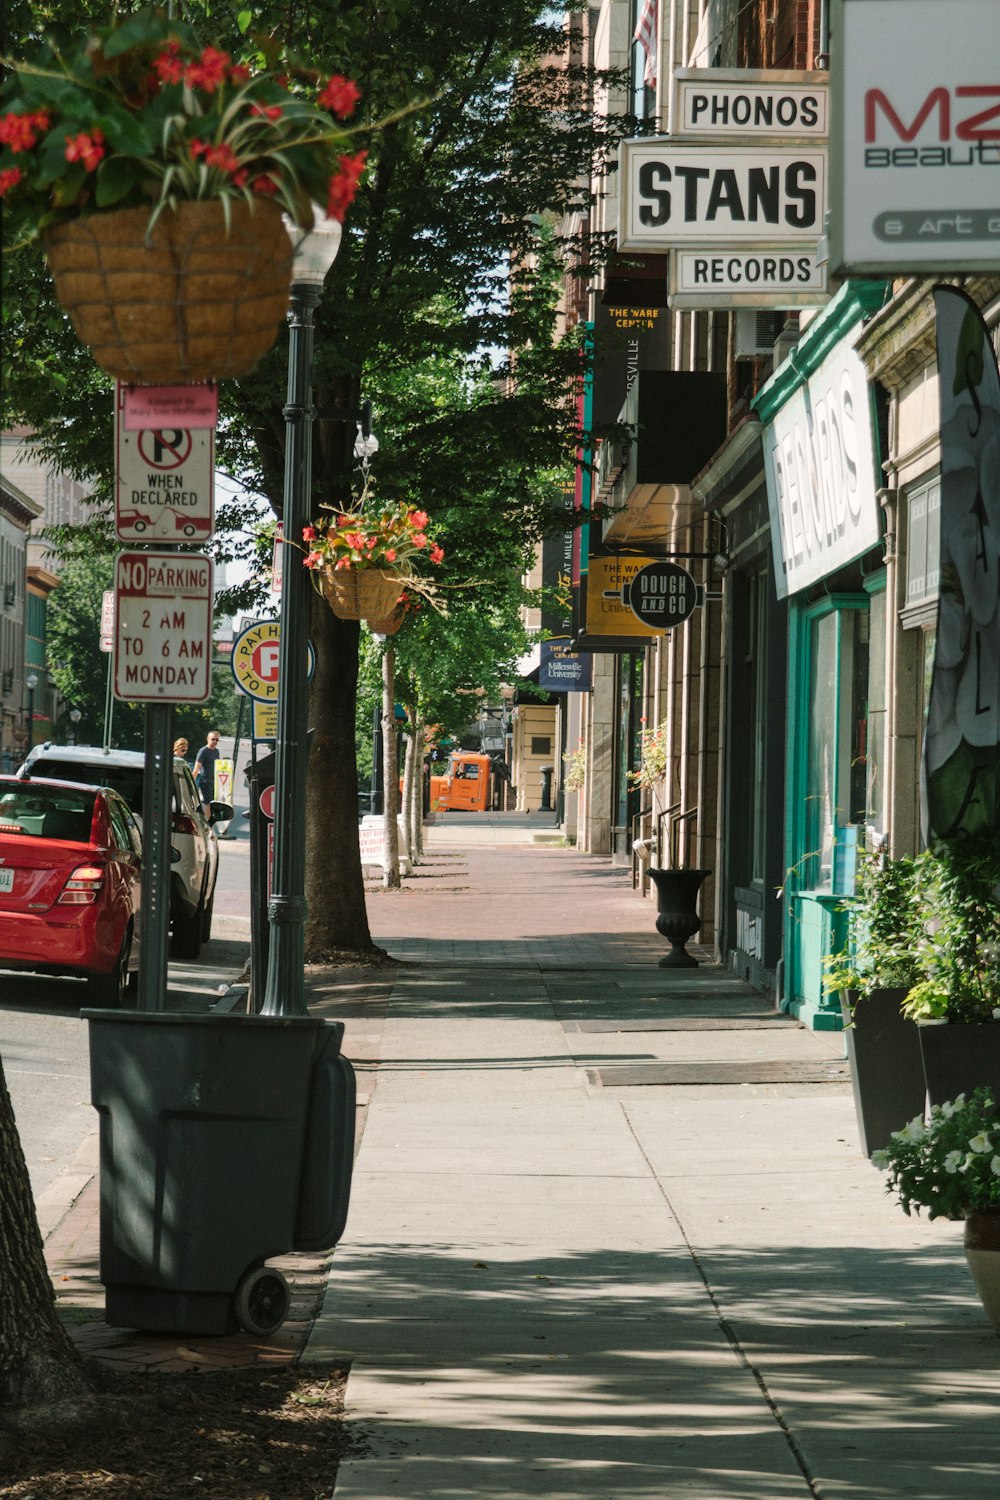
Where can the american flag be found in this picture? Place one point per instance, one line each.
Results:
(645, 34)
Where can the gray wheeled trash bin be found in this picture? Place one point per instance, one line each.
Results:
(225, 1140)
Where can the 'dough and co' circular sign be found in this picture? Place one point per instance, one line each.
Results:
(662, 595)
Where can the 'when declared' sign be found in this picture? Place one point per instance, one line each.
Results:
(163, 627)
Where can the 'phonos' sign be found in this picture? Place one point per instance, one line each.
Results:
(707, 194)
(915, 148)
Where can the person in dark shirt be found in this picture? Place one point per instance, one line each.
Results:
(204, 769)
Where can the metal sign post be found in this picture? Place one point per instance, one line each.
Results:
(156, 818)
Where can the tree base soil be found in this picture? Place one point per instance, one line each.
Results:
(257, 1434)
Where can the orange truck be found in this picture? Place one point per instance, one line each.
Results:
(465, 786)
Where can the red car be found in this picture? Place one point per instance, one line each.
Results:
(69, 884)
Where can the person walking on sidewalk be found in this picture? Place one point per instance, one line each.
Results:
(204, 769)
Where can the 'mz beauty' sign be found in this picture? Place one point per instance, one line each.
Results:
(819, 459)
(915, 140)
(705, 194)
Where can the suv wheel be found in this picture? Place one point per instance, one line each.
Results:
(185, 941)
(110, 991)
(206, 920)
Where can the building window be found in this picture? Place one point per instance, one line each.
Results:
(923, 550)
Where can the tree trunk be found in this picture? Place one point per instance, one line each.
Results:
(37, 1360)
(408, 771)
(390, 842)
(417, 803)
(337, 923)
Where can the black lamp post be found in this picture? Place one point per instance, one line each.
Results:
(284, 991)
(74, 717)
(31, 682)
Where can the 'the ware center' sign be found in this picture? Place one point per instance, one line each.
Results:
(163, 627)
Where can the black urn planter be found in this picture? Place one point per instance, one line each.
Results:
(958, 1058)
(887, 1073)
(677, 913)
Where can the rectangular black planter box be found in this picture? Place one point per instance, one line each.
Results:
(958, 1059)
(887, 1074)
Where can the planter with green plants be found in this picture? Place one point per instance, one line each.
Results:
(949, 1165)
(956, 1001)
(873, 974)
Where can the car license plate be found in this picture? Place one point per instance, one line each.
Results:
(6, 879)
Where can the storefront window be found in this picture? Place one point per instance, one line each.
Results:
(875, 796)
(837, 775)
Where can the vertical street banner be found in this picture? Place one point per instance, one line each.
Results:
(960, 783)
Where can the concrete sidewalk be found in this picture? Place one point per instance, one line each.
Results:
(611, 1233)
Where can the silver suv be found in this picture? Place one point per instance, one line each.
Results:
(193, 839)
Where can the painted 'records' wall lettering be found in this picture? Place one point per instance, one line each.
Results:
(819, 460)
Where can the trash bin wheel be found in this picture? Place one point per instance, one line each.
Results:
(261, 1301)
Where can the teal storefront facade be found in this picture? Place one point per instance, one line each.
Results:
(820, 430)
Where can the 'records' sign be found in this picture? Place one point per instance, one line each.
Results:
(916, 149)
(703, 194)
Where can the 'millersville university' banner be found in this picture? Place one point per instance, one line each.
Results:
(961, 768)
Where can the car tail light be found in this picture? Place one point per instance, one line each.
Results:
(183, 823)
(83, 886)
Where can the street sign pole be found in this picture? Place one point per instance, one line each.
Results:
(156, 795)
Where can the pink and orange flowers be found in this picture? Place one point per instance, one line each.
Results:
(389, 536)
(146, 115)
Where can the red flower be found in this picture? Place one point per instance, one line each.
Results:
(169, 66)
(313, 560)
(20, 132)
(339, 96)
(270, 111)
(418, 519)
(9, 179)
(308, 533)
(345, 184)
(210, 72)
(266, 186)
(198, 148)
(436, 553)
(419, 540)
(239, 73)
(225, 158)
(390, 554)
(86, 148)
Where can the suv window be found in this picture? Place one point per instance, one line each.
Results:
(120, 826)
(124, 780)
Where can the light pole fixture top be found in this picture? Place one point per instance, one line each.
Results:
(315, 250)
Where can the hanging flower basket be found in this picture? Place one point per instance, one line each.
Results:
(388, 624)
(195, 303)
(361, 593)
(155, 171)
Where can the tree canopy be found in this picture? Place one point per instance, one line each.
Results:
(442, 308)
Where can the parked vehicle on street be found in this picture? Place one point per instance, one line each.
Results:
(466, 784)
(69, 884)
(193, 837)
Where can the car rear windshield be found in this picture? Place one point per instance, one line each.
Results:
(47, 812)
(125, 780)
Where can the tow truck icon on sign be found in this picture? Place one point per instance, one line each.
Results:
(165, 485)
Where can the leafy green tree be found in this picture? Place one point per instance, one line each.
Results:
(449, 252)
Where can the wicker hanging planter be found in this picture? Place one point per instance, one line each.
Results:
(388, 624)
(196, 303)
(363, 594)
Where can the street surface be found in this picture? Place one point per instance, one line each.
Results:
(43, 1041)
